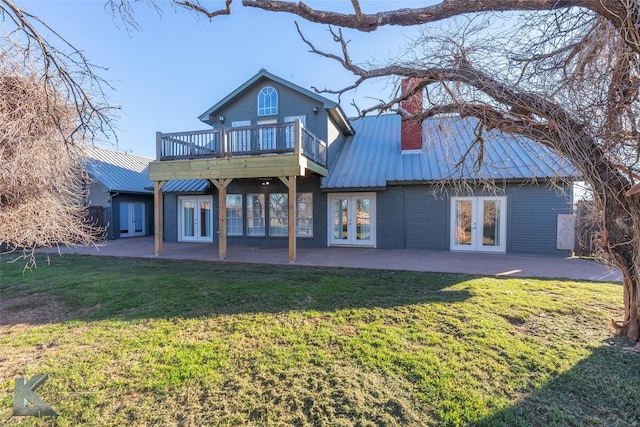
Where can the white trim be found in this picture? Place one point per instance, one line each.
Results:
(292, 119)
(351, 238)
(196, 237)
(274, 92)
(476, 243)
(230, 233)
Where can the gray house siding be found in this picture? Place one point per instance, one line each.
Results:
(390, 226)
(533, 213)
(422, 219)
(408, 216)
(170, 217)
(427, 219)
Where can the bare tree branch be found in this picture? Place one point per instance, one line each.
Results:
(42, 176)
(72, 71)
(197, 7)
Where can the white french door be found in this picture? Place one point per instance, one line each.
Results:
(352, 219)
(132, 219)
(196, 219)
(479, 224)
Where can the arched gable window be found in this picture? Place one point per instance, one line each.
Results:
(267, 101)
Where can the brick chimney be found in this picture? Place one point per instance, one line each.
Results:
(411, 130)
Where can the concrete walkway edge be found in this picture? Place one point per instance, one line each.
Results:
(486, 264)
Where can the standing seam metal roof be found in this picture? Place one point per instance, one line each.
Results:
(373, 156)
(186, 186)
(117, 171)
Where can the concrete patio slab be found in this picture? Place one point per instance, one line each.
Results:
(412, 260)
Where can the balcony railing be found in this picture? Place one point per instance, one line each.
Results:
(276, 138)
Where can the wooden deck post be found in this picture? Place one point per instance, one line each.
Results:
(158, 215)
(222, 219)
(221, 184)
(292, 218)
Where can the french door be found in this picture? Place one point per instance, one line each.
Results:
(479, 224)
(196, 219)
(352, 219)
(132, 219)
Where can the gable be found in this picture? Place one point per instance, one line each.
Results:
(261, 77)
(293, 100)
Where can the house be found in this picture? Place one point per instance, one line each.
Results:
(277, 151)
(119, 194)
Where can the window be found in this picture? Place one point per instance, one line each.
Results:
(279, 214)
(267, 101)
(304, 215)
(255, 214)
(289, 130)
(235, 225)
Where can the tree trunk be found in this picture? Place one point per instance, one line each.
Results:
(630, 325)
(621, 239)
(625, 259)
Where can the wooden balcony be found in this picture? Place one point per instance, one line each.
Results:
(270, 150)
(283, 150)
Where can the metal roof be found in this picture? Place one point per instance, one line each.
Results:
(185, 186)
(373, 157)
(117, 171)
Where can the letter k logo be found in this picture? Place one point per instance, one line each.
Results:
(23, 396)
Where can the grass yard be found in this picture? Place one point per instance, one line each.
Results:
(154, 342)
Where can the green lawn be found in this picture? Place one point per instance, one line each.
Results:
(156, 342)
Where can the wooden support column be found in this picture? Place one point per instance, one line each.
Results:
(222, 220)
(221, 184)
(158, 215)
(292, 218)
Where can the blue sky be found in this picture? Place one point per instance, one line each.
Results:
(178, 64)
